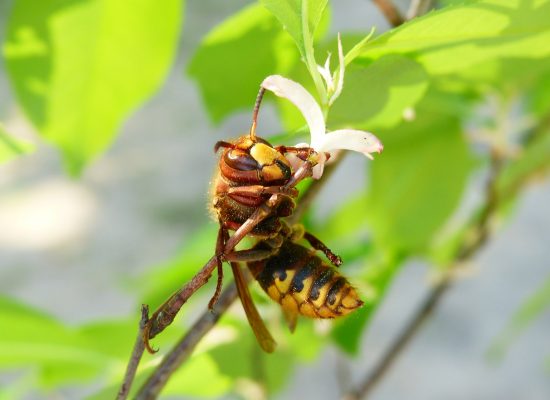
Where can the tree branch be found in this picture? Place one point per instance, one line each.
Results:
(135, 358)
(183, 350)
(391, 12)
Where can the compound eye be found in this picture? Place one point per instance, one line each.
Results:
(240, 160)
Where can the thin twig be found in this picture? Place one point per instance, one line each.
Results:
(425, 310)
(391, 12)
(135, 358)
(181, 352)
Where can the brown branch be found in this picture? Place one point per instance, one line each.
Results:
(181, 352)
(135, 358)
(391, 12)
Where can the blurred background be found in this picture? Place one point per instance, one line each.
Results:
(79, 248)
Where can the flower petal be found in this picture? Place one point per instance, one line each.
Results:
(318, 171)
(301, 98)
(350, 139)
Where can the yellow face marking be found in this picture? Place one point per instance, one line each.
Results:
(303, 295)
(245, 143)
(264, 154)
(272, 173)
(283, 286)
(289, 304)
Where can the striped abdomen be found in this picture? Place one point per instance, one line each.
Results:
(303, 284)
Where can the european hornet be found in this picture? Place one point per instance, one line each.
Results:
(250, 171)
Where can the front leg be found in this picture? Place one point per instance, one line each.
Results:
(258, 190)
(318, 245)
(223, 236)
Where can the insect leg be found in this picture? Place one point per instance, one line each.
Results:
(249, 255)
(256, 190)
(223, 236)
(318, 245)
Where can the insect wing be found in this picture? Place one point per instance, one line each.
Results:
(263, 336)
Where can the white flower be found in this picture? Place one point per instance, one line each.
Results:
(321, 141)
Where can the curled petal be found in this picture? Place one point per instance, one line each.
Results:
(349, 139)
(320, 167)
(301, 98)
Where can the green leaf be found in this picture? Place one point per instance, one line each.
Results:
(252, 46)
(457, 37)
(270, 370)
(29, 338)
(289, 13)
(112, 338)
(423, 160)
(162, 280)
(346, 229)
(539, 101)
(376, 96)
(535, 305)
(80, 67)
(11, 148)
(199, 376)
(380, 271)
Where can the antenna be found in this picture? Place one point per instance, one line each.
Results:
(255, 112)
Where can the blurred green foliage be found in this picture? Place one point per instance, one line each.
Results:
(79, 68)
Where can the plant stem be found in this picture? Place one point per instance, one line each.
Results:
(184, 348)
(135, 358)
(310, 58)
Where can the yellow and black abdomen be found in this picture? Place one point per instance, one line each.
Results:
(303, 284)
